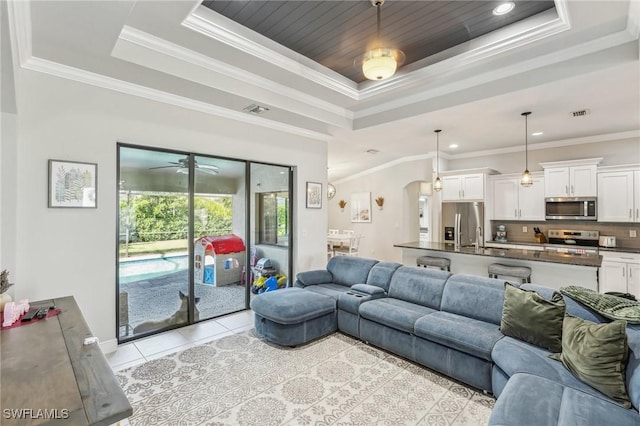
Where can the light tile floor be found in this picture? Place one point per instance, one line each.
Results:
(143, 350)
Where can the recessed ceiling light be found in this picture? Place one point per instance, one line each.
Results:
(373, 151)
(453, 146)
(504, 8)
(537, 134)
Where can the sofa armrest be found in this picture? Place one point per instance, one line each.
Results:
(320, 276)
(371, 290)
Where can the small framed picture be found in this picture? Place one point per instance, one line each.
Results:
(314, 195)
(73, 184)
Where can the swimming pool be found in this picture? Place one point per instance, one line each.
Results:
(144, 269)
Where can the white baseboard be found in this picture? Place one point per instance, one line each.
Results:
(109, 346)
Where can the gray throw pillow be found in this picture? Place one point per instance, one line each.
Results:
(530, 317)
(597, 354)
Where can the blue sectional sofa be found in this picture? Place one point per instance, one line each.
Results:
(450, 323)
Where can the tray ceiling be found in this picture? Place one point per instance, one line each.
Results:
(335, 33)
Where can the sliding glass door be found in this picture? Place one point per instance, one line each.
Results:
(220, 251)
(195, 240)
(153, 247)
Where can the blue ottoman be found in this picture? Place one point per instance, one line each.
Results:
(293, 316)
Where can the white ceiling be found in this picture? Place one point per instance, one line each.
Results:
(182, 53)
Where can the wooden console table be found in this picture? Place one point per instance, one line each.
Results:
(48, 375)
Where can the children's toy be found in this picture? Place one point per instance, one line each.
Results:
(218, 260)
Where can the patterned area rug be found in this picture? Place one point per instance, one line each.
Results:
(242, 380)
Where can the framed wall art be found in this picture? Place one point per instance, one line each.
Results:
(73, 184)
(361, 207)
(314, 195)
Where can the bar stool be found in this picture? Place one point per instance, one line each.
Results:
(521, 272)
(436, 262)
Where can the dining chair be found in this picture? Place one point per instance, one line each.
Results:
(334, 231)
(351, 250)
(348, 232)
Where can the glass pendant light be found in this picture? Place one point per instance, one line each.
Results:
(437, 184)
(526, 179)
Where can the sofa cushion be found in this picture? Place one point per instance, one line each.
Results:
(292, 305)
(467, 335)
(474, 297)
(515, 356)
(333, 290)
(306, 278)
(394, 313)
(419, 285)
(350, 270)
(530, 317)
(381, 273)
(597, 355)
(533, 400)
(633, 365)
(573, 308)
(612, 307)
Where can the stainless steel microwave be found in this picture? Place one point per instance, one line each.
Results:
(571, 208)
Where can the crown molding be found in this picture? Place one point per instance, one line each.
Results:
(558, 56)
(633, 20)
(180, 53)
(555, 144)
(218, 27)
(608, 137)
(87, 77)
(537, 28)
(20, 28)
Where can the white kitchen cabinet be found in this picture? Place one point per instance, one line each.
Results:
(512, 201)
(574, 181)
(620, 272)
(468, 187)
(619, 196)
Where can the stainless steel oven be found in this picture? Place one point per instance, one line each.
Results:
(571, 208)
(573, 241)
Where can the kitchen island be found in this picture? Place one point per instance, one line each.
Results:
(547, 268)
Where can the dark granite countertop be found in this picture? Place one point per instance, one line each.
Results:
(593, 260)
(533, 243)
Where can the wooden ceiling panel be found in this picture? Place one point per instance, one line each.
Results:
(336, 33)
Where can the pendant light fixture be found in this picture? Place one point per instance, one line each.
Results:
(437, 184)
(380, 62)
(526, 179)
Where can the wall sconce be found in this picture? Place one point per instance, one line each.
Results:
(342, 203)
(380, 202)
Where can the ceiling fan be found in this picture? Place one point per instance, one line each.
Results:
(183, 167)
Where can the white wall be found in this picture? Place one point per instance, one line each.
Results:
(389, 225)
(62, 252)
(8, 194)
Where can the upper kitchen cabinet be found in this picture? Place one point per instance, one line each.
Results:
(571, 178)
(512, 201)
(619, 195)
(463, 187)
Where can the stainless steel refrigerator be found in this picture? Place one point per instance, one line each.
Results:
(463, 223)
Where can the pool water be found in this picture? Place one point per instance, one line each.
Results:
(144, 269)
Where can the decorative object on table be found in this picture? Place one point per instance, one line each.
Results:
(73, 184)
(539, 235)
(314, 195)
(4, 286)
(342, 204)
(13, 311)
(361, 207)
(380, 202)
(331, 191)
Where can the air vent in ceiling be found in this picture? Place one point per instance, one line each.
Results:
(256, 109)
(580, 113)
